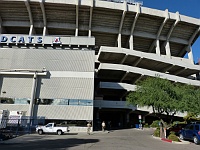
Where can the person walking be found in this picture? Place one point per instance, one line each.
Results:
(88, 128)
(103, 126)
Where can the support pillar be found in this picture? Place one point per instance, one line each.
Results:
(158, 47)
(119, 41)
(32, 95)
(190, 54)
(131, 42)
(167, 49)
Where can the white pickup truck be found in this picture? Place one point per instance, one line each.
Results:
(51, 128)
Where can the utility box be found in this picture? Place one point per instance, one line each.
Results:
(3, 118)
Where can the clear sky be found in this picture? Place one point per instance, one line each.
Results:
(184, 7)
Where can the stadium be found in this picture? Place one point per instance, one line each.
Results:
(76, 60)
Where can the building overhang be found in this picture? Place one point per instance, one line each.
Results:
(130, 74)
(174, 65)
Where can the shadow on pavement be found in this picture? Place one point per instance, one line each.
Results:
(47, 144)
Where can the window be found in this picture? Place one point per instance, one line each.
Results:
(197, 127)
(49, 125)
(6, 100)
(187, 127)
(191, 127)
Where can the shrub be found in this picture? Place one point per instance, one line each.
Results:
(146, 125)
(173, 137)
(178, 122)
(172, 132)
(157, 132)
(155, 124)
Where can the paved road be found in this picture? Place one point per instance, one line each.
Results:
(129, 139)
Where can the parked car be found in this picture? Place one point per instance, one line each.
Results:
(51, 128)
(176, 128)
(191, 132)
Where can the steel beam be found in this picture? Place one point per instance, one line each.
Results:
(179, 71)
(124, 76)
(138, 61)
(123, 59)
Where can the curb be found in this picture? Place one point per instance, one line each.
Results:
(166, 140)
(170, 141)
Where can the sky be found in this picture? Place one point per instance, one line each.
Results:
(189, 8)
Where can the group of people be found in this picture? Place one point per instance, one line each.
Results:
(103, 124)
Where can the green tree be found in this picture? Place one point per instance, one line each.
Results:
(191, 117)
(165, 97)
(191, 99)
(162, 95)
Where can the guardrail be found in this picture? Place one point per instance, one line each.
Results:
(132, 2)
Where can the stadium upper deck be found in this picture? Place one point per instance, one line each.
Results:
(112, 24)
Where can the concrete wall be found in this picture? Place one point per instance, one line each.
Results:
(70, 76)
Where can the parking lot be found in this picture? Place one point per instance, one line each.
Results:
(127, 139)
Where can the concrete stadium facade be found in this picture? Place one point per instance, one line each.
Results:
(77, 59)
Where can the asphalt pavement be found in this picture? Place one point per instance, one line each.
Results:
(126, 139)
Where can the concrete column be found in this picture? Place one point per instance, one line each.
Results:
(31, 30)
(167, 49)
(131, 42)
(89, 33)
(33, 95)
(119, 40)
(190, 54)
(44, 31)
(158, 47)
(76, 31)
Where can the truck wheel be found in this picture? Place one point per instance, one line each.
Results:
(196, 140)
(40, 132)
(59, 132)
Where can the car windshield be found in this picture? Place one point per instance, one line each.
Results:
(49, 125)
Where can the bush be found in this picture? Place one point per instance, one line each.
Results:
(155, 124)
(178, 122)
(172, 132)
(157, 132)
(146, 125)
(173, 137)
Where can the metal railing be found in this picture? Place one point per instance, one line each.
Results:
(10, 128)
(131, 2)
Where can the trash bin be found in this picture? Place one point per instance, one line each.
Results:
(137, 126)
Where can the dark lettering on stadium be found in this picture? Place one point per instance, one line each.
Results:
(21, 39)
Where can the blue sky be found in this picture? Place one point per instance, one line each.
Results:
(184, 7)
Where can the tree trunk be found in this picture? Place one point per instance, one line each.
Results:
(163, 128)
